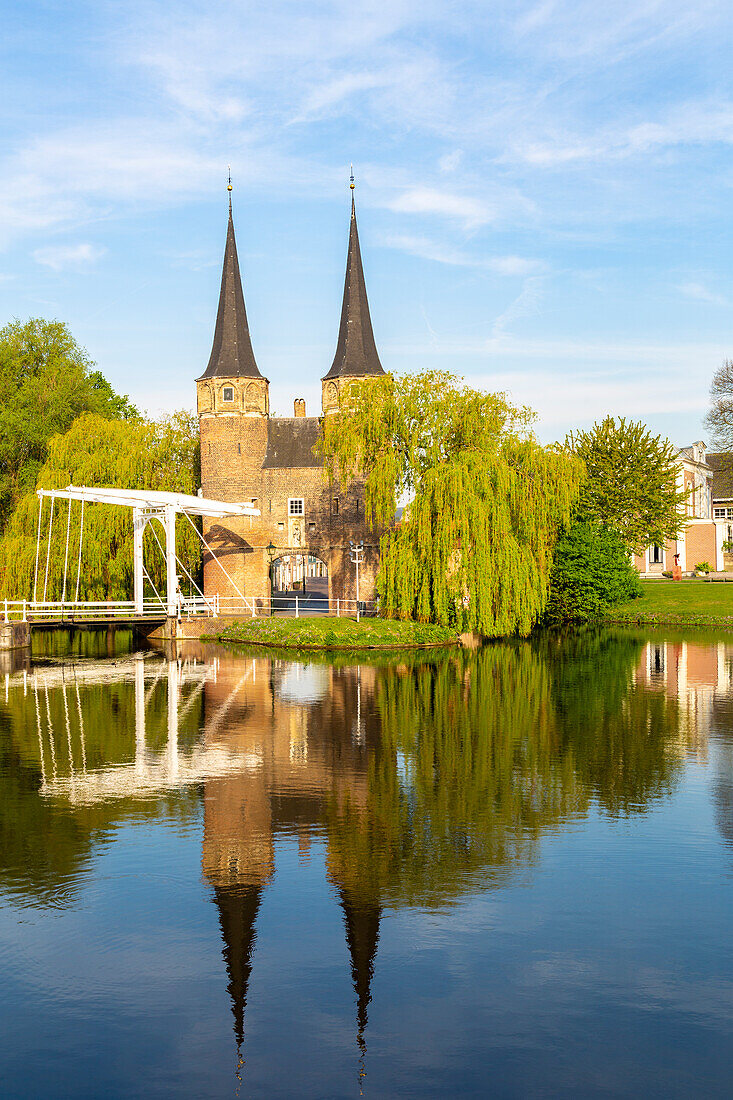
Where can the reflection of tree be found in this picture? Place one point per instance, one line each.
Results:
(464, 781)
(618, 733)
(481, 754)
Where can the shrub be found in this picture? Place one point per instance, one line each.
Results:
(667, 573)
(591, 573)
(702, 567)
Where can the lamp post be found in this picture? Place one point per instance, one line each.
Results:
(357, 549)
(271, 548)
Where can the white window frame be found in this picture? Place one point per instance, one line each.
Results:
(296, 507)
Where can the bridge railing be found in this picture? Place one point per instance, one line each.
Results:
(69, 610)
(293, 604)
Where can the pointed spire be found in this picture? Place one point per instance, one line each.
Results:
(238, 909)
(361, 920)
(356, 351)
(231, 353)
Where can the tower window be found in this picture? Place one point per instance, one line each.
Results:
(295, 506)
(335, 506)
(228, 393)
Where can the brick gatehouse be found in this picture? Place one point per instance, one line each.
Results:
(246, 454)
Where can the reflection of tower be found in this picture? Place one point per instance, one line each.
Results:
(305, 735)
(237, 917)
(361, 920)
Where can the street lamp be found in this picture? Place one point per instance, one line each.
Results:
(357, 549)
(271, 549)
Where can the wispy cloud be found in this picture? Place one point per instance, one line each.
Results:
(700, 293)
(426, 249)
(71, 256)
(470, 211)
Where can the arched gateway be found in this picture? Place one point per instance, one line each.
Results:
(249, 455)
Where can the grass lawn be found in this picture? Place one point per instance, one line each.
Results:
(325, 633)
(689, 602)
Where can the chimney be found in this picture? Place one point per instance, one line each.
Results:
(299, 407)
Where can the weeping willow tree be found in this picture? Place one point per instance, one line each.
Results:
(131, 454)
(487, 500)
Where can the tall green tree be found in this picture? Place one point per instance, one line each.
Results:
(474, 548)
(132, 454)
(631, 483)
(46, 381)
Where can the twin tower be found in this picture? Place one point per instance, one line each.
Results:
(248, 455)
(232, 382)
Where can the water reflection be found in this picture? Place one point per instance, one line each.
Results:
(427, 779)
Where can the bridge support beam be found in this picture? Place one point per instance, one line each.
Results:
(171, 575)
(138, 529)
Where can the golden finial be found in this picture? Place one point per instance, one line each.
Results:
(352, 185)
(229, 180)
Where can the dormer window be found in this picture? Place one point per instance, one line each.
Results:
(228, 393)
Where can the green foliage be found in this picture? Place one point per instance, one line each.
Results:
(703, 567)
(133, 454)
(474, 549)
(46, 382)
(591, 573)
(334, 633)
(631, 483)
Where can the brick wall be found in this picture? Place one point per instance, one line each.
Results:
(233, 448)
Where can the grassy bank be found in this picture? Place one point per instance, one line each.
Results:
(325, 633)
(689, 602)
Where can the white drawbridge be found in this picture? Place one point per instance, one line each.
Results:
(146, 505)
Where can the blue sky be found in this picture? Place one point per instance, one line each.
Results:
(543, 191)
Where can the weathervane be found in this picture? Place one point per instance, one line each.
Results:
(229, 178)
(352, 185)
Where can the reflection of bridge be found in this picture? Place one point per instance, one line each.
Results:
(149, 772)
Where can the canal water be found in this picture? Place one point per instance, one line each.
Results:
(506, 873)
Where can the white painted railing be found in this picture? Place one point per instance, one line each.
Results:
(295, 605)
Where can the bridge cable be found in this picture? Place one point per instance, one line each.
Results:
(203, 540)
(48, 553)
(78, 568)
(38, 547)
(66, 554)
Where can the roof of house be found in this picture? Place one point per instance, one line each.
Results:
(356, 352)
(290, 442)
(722, 467)
(231, 353)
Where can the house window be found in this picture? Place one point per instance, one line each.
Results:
(295, 506)
(719, 513)
(357, 506)
(335, 506)
(656, 555)
(228, 393)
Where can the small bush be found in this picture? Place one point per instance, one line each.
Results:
(667, 573)
(702, 567)
(591, 573)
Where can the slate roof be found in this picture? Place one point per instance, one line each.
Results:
(356, 351)
(231, 353)
(722, 467)
(290, 442)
